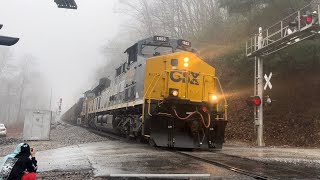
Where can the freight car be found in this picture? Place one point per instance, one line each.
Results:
(73, 114)
(163, 93)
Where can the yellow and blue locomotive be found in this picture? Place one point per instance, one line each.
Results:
(164, 93)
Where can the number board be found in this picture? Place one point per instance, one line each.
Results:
(182, 42)
(161, 38)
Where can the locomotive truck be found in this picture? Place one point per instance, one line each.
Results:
(163, 93)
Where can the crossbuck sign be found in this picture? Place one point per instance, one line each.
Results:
(268, 83)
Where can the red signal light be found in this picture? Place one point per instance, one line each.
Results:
(309, 19)
(254, 101)
(257, 102)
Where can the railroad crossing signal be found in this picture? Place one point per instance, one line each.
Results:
(268, 83)
(6, 40)
(279, 36)
(254, 101)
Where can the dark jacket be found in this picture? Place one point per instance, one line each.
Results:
(23, 164)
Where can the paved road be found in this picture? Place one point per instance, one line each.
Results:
(117, 158)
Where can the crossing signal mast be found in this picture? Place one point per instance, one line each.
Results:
(301, 25)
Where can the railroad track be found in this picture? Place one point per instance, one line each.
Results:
(242, 165)
(225, 166)
(105, 134)
(215, 163)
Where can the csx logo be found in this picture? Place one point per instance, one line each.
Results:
(178, 76)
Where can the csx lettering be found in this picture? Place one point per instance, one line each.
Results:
(178, 76)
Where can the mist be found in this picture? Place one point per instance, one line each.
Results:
(66, 45)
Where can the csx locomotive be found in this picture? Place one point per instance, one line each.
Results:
(163, 93)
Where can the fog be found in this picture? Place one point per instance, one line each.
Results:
(66, 44)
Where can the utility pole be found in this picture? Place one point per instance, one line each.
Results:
(50, 106)
(21, 96)
(258, 91)
(50, 100)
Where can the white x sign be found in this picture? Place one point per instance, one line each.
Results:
(268, 83)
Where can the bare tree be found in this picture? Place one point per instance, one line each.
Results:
(5, 56)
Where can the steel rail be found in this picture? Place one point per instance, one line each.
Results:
(225, 166)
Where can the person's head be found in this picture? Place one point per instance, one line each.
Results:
(24, 149)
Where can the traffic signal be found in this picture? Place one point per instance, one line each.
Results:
(6, 40)
(254, 101)
(67, 4)
(309, 18)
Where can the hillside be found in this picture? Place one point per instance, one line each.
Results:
(294, 117)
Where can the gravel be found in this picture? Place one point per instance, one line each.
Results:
(61, 135)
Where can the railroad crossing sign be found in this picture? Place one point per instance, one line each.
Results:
(268, 82)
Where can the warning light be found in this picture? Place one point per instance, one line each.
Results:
(254, 101)
(307, 19)
(186, 65)
(186, 59)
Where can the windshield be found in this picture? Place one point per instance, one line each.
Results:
(150, 50)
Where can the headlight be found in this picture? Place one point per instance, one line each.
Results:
(186, 59)
(186, 65)
(213, 98)
(174, 92)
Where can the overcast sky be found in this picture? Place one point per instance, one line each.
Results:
(66, 43)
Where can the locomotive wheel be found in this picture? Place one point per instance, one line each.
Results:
(127, 133)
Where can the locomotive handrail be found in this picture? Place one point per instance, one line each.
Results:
(225, 99)
(149, 101)
(223, 95)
